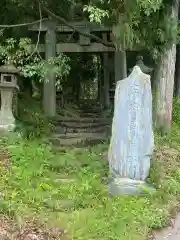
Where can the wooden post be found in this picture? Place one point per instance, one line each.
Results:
(120, 65)
(106, 76)
(84, 41)
(49, 91)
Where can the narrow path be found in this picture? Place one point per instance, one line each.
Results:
(170, 233)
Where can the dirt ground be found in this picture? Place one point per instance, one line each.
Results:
(30, 230)
(169, 233)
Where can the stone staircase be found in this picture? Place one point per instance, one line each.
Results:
(87, 129)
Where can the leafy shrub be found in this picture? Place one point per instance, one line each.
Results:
(176, 112)
(32, 123)
(32, 65)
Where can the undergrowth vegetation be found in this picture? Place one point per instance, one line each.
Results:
(66, 188)
(31, 122)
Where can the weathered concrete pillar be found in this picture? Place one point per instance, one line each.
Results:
(49, 91)
(120, 65)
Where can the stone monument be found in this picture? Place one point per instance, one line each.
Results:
(132, 140)
(8, 84)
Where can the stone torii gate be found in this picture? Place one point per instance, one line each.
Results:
(84, 45)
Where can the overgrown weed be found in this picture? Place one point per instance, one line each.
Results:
(65, 189)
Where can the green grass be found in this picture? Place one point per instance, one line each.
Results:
(31, 187)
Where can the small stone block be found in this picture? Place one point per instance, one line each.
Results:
(126, 186)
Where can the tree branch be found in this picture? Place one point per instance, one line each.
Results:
(39, 33)
(61, 19)
(23, 24)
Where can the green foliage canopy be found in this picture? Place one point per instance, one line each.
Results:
(32, 65)
(140, 23)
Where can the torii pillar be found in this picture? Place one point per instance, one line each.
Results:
(49, 89)
(120, 65)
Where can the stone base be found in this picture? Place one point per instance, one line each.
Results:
(126, 186)
(7, 128)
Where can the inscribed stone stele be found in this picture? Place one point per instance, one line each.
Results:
(132, 139)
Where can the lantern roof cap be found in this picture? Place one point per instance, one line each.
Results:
(9, 68)
(143, 67)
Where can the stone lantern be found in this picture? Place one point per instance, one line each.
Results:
(8, 85)
(139, 62)
(143, 67)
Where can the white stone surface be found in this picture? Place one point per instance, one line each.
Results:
(127, 186)
(132, 139)
(7, 120)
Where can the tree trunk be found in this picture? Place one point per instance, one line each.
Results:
(165, 84)
(177, 92)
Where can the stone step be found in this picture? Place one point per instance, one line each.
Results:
(79, 129)
(81, 120)
(76, 142)
(81, 125)
(89, 115)
(78, 135)
(77, 139)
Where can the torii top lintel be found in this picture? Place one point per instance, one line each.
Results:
(92, 27)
